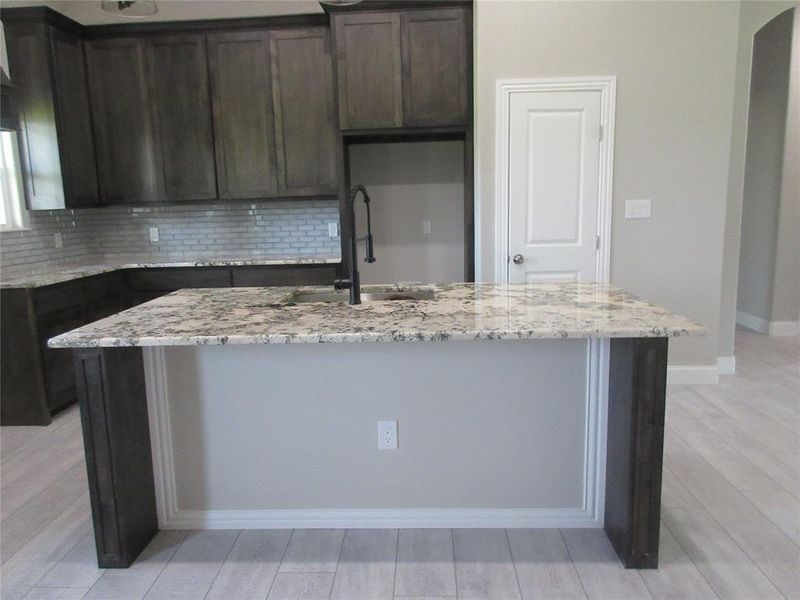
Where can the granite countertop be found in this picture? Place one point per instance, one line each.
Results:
(17, 278)
(460, 311)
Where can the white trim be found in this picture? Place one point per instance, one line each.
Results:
(726, 365)
(771, 328)
(783, 328)
(693, 374)
(752, 322)
(590, 514)
(505, 88)
(380, 518)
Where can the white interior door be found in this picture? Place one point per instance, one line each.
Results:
(553, 185)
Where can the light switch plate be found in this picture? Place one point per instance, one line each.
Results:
(154, 234)
(333, 230)
(426, 227)
(638, 209)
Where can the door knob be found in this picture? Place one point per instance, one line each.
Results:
(518, 259)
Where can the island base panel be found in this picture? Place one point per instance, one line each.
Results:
(635, 447)
(116, 435)
(113, 407)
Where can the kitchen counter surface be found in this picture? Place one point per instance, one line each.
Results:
(461, 311)
(31, 278)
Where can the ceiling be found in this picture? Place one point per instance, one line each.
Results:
(88, 12)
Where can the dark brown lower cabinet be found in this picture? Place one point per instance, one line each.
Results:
(38, 381)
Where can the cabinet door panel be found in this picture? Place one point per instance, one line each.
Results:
(128, 156)
(29, 63)
(434, 67)
(76, 144)
(368, 70)
(242, 107)
(178, 75)
(305, 124)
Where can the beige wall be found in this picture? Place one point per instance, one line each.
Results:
(675, 66)
(410, 183)
(766, 127)
(786, 290)
(89, 12)
(753, 16)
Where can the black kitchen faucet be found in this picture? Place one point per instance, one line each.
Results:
(353, 282)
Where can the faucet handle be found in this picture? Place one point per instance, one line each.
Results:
(342, 284)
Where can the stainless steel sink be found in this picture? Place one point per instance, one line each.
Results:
(305, 297)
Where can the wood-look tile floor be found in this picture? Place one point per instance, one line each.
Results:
(730, 529)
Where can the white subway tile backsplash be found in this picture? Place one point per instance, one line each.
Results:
(286, 228)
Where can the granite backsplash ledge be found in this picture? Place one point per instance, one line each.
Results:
(186, 233)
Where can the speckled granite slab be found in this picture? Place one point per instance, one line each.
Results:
(59, 274)
(461, 311)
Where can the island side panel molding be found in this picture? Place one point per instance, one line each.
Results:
(635, 448)
(113, 406)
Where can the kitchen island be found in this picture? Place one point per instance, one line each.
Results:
(537, 405)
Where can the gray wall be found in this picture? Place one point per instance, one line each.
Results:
(409, 183)
(675, 63)
(763, 175)
(267, 427)
(220, 230)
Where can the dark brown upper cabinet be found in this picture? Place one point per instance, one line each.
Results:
(178, 78)
(57, 153)
(434, 48)
(404, 68)
(244, 128)
(129, 156)
(305, 121)
(369, 75)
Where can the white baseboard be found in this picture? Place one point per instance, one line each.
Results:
(693, 374)
(771, 328)
(380, 518)
(752, 322)
(783, 328)
(726, 365)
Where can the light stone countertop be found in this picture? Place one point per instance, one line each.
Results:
(32, 278)
(459, 311)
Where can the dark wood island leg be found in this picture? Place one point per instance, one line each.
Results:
(116, 437)
(635, 448)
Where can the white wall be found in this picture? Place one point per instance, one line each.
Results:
(675, 64)
(753, 16)
(410, 183)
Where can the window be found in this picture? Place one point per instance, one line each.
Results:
(13, 214)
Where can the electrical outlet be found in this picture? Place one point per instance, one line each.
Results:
(58, 239)
(387, 435)
(154, 234)
(637, 209)
(426, 227)
(333, 230)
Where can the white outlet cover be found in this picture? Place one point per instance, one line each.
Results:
(58, 240)
(638, 209)
(154, 234)
(333, 230)
(387, 435)
(426, 227)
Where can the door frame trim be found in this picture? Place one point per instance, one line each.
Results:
(607, 86)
